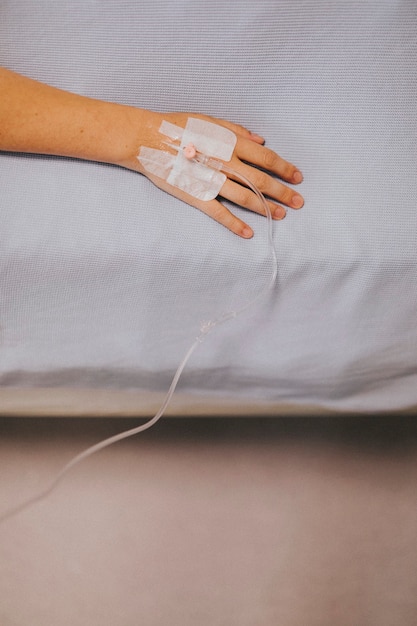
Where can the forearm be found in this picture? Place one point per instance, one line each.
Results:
(37, 118)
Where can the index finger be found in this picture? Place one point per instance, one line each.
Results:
(267, 159)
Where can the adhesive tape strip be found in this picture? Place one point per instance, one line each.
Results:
(196, 179)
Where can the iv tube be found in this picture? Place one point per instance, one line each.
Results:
(204, 330)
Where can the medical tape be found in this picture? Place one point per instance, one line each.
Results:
(198, 180)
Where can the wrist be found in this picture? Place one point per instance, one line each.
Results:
(124, 130)
(102, 131)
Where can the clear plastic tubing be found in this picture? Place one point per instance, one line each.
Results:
(205, 329)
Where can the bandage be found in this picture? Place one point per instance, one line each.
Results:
(196, 179)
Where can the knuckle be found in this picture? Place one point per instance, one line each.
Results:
(286, 195)
(260, 180)
(288, 171)
(244, 197)
(217, 213)
(270, 160)
(240, 130)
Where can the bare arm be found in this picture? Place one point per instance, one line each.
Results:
(37, 118)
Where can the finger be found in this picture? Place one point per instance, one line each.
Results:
(222, 215)
(268, 160)
(212, 208)
(244, 197)
(268, 185)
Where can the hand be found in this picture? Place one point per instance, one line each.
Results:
(249, 155)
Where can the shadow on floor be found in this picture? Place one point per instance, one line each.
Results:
(369, 433)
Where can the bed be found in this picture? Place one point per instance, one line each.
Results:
(105, 280)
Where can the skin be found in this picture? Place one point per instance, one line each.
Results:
(41, 119)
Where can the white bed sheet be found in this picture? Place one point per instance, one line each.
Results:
(105, 279)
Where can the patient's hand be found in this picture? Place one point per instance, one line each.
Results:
(37, 118)
(249, 155)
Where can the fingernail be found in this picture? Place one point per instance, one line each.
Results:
(280, 213)
(247, 232)
(297, 177)
(297, 201)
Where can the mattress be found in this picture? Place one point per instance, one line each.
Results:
(105, 279)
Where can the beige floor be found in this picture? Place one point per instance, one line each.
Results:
(289, 522)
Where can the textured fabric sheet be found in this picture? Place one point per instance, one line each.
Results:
(105, 279)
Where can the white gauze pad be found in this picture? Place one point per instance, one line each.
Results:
(194, 178)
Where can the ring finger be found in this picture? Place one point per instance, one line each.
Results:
(244, 197)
